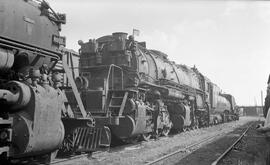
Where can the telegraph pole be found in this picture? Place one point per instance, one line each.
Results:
(262, 98)
(255, 102)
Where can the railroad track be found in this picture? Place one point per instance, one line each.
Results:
(223, 155)
(168, 156)
(181, 151)
(77, 157)
(180, 154)
(58, 161)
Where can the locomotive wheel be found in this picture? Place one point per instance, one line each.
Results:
(132, 140)
(165, 131)
(194, 127)
(146, 136)
(215, 121)
(185, 129)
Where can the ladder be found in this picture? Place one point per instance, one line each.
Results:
(118, 102)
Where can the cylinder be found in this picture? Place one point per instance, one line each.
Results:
(6, 59)
(39, 128)
(36, 136)
(125, 129)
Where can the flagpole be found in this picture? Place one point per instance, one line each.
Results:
(135, 32)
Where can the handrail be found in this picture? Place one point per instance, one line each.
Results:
(107, 81)
(110, 71)
(112, 66)
(75, 90)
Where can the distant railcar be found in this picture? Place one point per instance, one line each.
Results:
(252, 110)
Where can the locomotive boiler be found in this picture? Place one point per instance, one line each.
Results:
(120, 78)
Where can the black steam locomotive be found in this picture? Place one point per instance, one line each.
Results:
(33, 110)
(135, 91)
(30, 116)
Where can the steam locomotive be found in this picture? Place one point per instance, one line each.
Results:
(34, 123)
(120, 82)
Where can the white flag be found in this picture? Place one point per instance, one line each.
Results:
(136, 32)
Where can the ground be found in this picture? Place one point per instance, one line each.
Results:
(151, 150)
(254, 149)
(207, 154)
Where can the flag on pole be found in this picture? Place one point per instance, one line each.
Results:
(136, 32)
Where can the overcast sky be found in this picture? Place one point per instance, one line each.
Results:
(228, 41)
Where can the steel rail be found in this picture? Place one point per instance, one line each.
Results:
(186, 148)
(201, 142)
(69, 159)
(231, 147)
(96, 153)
